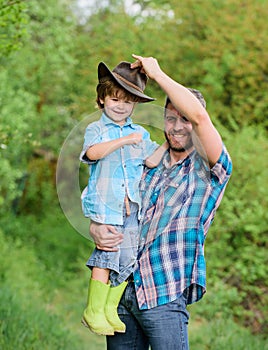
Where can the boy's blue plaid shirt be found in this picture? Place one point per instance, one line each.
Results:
(116, 174)
(178, 206)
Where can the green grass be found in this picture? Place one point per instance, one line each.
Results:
(43, 287)
(43, 292)
(222, 334)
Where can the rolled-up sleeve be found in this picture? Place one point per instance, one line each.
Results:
(92, 137)
(148, 146)
(222, 170)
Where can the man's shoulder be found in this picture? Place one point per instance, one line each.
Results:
(222, 170)
(149, 173)
(225, 159)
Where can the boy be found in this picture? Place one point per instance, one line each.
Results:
(115, 150)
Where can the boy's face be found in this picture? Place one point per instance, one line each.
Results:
(118, 108)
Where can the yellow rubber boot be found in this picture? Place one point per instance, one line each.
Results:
(112, 302)
(94, 315)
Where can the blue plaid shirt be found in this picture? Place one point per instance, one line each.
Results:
(116, 174)
(178, 206)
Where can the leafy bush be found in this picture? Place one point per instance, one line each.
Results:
(16, 143)
(237, 242)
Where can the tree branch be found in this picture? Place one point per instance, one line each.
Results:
(12, 3)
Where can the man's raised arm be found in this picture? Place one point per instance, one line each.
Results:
(188, 105)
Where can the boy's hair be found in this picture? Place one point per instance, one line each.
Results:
(111, 88)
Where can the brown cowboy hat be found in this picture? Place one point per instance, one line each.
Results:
(130, 79)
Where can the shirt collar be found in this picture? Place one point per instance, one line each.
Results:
(106, 121)
(185, 161)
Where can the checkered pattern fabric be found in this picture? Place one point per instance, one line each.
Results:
(116, 174)
(179, 204)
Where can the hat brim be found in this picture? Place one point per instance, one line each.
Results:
(104, 71)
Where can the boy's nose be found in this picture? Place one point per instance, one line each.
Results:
(121, 105)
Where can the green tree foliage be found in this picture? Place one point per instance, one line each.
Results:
(217, 46)
(43, 66)
(13, 21)
(33, 99)
(237, 243)
(16, 142)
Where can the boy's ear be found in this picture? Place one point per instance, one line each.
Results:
(101, 101)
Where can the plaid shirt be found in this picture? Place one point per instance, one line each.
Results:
(178, 206)
(116, 174)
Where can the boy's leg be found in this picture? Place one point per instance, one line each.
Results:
(129, 246)
(127, 258)
(101, 263)
(101, 275)
(94, 317)
(112, 302)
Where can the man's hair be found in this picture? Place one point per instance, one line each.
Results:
(111, 88)
(195, 92)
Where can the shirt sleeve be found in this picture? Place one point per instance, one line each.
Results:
(148, 146)
(92, 137)
(221, 171)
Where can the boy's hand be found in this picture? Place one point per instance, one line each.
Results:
(133, 139)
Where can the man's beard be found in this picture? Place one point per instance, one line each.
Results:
(179, 149)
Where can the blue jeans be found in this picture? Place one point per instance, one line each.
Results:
(162, 328)
(121, 262)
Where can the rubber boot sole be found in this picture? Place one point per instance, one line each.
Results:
(84, 322)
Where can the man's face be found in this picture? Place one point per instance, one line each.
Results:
(177, 130)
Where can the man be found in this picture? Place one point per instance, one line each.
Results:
(179, 200)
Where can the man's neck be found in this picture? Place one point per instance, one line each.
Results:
(176, 156)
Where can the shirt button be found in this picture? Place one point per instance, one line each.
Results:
(123, 185)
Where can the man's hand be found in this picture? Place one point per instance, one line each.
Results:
(149, 66)
(105, 236)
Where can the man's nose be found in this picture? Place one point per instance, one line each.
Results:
(178, 124)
